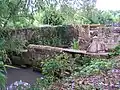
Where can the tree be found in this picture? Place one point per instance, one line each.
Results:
(14, 11)
(52, 17)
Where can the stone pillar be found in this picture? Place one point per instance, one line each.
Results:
(84, 37)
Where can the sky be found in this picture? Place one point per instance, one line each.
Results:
(108, 4)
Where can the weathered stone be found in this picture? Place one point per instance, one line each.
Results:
(97, 45)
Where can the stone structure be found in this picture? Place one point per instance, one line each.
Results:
(60, 36)
(97, 46)
(110, 35)
(46, 35)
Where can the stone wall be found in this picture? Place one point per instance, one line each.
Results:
(40, 53)
(59, 36)
(62, 36)
(47, 35)
(109, 36)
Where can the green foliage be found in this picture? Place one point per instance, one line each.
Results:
(97, 67)
(81, 61)
(3, 56)
(80, 66)
(56, 65)
(21, 13)
(115, 51)
(51, 66)
(79, 19)
(52, 17)
(53, 70)
(14, 12)
(42, 83)
(2, 67)
(14, 45)
(75, 44)
(59, 67)
(11, 43)
(48, 16)
(53, 36)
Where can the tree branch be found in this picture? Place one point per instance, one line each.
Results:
(11, 13)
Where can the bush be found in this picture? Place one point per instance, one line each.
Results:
(2, 67)
(97, 66)
(56, 66)
(52, 17)
(115, 51)
(81, 61)
(53, 69)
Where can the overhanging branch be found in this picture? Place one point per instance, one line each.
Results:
(11, 13)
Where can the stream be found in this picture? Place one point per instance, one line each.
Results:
(26, 75)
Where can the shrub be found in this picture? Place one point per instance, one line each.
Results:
(52, 17)
(2, 67)
(97, 66)
(53, 69)
(81, 61)
(56, 66)
(115, 51)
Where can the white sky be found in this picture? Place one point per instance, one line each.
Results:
(108, 4)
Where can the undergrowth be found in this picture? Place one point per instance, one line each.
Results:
(62, 69)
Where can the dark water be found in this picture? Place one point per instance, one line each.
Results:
(26, 75)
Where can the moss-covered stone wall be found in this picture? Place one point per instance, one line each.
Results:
(47, 35)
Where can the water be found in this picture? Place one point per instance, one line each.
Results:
(26, 75)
